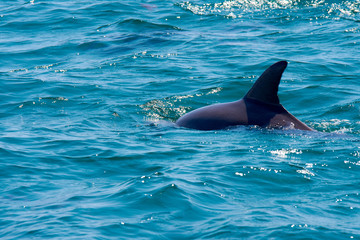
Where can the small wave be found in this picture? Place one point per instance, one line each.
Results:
(139, 25)
(45, 67)
(340, 126)
(91, 45)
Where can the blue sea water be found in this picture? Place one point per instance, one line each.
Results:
(89, 91)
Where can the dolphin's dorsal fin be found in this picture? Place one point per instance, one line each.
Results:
(265, 89)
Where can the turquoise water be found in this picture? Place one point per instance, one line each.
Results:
(89, 91)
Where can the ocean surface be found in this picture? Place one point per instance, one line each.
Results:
(90, 91)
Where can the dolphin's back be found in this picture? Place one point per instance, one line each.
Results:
(260, 106)
(214, 117)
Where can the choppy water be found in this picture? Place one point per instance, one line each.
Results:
(88, 91)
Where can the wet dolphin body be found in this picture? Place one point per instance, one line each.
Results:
(260, 106)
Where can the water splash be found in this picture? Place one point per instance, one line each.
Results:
(171, 108)
(241, 8)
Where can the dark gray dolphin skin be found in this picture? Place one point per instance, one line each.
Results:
(260, 106)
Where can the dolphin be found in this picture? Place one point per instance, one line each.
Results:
(260, 106)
